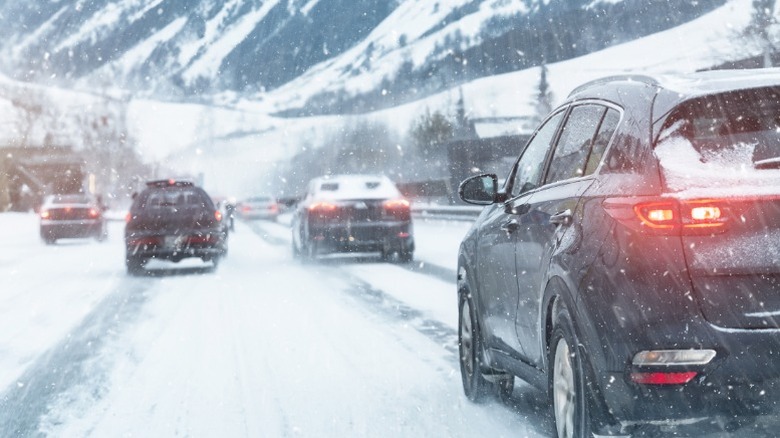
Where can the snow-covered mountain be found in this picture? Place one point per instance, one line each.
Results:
(337, 55)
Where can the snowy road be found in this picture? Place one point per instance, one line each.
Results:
(264, 346)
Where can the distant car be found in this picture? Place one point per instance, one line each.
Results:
(353, 213)
(71, 216)
(630, 265)
(173, 220)
(258, 207)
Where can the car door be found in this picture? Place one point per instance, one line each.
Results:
(553, 228)
(497, 243)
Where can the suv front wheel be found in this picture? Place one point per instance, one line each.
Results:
(472, 367)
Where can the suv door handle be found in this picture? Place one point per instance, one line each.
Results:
(510, 226)
(563, 218)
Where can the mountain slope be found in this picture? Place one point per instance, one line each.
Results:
(341, 55)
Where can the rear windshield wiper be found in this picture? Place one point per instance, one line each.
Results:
(769, 163)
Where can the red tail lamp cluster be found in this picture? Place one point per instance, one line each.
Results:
(670, 216)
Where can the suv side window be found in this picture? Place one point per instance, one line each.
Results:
(607, 129)
(528, 171)
(574, 144)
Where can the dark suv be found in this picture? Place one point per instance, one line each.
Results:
(630, 264)
(173, 220)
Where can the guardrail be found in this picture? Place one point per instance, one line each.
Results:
(450, 212)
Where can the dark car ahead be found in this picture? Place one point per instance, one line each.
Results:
(71, 216)
(173, 220)
(353, 213)
(630, 265)
(258, 207)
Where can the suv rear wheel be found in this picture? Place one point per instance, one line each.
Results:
(573, 413)
(135, 265)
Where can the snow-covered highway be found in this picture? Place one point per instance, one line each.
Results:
(264, 346)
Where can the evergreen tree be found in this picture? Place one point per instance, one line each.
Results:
(544, 97)
(431, 131)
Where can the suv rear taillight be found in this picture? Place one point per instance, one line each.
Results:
(398, 209)
(670, 216)
(323, 207)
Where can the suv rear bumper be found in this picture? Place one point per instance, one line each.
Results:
(386, 237)
(743, 380)
(71, 229)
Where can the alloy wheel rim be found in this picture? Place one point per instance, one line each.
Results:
(563, 390)
(466, 340)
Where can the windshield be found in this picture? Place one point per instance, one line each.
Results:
(275, 241)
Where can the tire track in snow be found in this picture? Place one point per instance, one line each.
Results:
(71, 363)
(383, 303)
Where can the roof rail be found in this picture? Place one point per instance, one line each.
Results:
(648, 80)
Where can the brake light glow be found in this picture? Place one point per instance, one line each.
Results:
(128, 217)
(322, 207)
(663, 378)
(217, 215)
(670, 216)
(656, 215)
(396, 204)
(45, 214)
(707, 213)
(94, 213)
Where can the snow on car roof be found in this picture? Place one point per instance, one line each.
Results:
(355, 187)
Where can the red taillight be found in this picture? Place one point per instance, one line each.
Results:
(94, 213)
(396, 204)
(128, 217)
(199, 239)
(657, 215)
(663, 378)
(45, 214)
(217, 215)
(669, 216)
(323, 207)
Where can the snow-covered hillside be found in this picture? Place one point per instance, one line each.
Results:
(335, 53)
(240, 149)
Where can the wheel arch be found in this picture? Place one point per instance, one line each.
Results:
(556, 294)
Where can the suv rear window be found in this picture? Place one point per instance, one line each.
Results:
(173, 198)
(724, 140)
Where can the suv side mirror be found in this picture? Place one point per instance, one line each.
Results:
(479, 189)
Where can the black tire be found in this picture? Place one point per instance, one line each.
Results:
(573, 410)
(135, 265)
(310, 251)
(405, 257)
(471, 357)
(296, 252)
